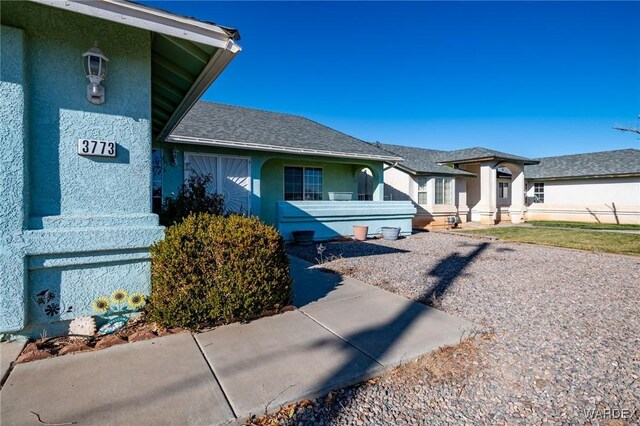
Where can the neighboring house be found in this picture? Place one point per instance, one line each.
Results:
(286, 169)
(482, 185)
(75, 225)
(594, 187)
(474, 184)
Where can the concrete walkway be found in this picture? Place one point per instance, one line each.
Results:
(344, 331)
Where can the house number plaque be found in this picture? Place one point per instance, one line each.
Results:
(96, 147)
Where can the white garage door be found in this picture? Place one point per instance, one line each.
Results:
(230, 176)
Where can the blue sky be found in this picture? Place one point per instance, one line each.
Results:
(534, 79)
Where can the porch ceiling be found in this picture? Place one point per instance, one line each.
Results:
(178, 67)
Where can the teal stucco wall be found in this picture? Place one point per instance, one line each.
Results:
(77, 226)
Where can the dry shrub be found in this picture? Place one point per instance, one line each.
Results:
(452, 363)
(213, 269)
(449, 364)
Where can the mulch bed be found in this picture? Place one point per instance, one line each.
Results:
(137, 329)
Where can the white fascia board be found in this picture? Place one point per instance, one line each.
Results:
(154, 20)
(274, 148)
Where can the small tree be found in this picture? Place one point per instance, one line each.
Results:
(192, 198)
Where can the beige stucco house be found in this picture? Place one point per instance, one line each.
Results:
(487, 186)
(595, 187)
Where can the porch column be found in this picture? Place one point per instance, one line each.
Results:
(378, 175)
(256, 175)
(461, 199)
(516, 210)
(487, 204)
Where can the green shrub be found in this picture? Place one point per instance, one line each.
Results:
(192, 198)
(211, 269)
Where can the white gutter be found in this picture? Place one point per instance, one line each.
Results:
(275, 148)
(155, 20)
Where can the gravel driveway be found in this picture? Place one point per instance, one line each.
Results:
(566, 326)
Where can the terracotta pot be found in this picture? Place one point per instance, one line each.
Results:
(360, 232)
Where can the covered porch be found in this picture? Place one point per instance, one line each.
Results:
(327, 195)
(497, 192)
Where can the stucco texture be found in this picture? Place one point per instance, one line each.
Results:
(80, 226)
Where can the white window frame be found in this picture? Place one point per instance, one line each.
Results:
(538, 192)
(284, 192)
(424, 190)
(442, 180)
(502, 188)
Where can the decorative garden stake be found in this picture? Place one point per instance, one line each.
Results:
(121, 304)
(50, 304)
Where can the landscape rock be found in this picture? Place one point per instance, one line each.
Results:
(33, 355)
(74, 347)
(563, 332)
(141, 335)
(108, 341)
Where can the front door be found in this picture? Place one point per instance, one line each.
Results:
(230, 177)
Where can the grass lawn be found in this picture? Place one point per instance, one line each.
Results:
(583, 225)
(607, 242)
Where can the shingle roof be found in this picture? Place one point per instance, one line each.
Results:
(469, 154)
(226, 125)
(606, 163)
(422, 160)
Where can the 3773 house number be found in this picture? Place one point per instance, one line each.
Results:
(96, 147)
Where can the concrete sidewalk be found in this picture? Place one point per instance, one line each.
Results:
(343, 332)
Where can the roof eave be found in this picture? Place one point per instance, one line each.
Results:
(189, 140)
(139, 16)
(491, 158)
(161, 22)
(418, 172)
(218, 62)
(596, 176)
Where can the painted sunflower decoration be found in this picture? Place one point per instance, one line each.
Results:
(101, 305)
(119, 296)
(136, 300)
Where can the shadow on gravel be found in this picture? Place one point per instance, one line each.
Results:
(446, 271)
(341, 249)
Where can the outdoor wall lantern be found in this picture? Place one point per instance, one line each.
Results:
(95, 68)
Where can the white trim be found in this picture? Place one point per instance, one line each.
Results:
(274, 148)
(155, 20)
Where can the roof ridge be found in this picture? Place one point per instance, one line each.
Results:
(588, 153)
(250, 108)
(296, 116)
